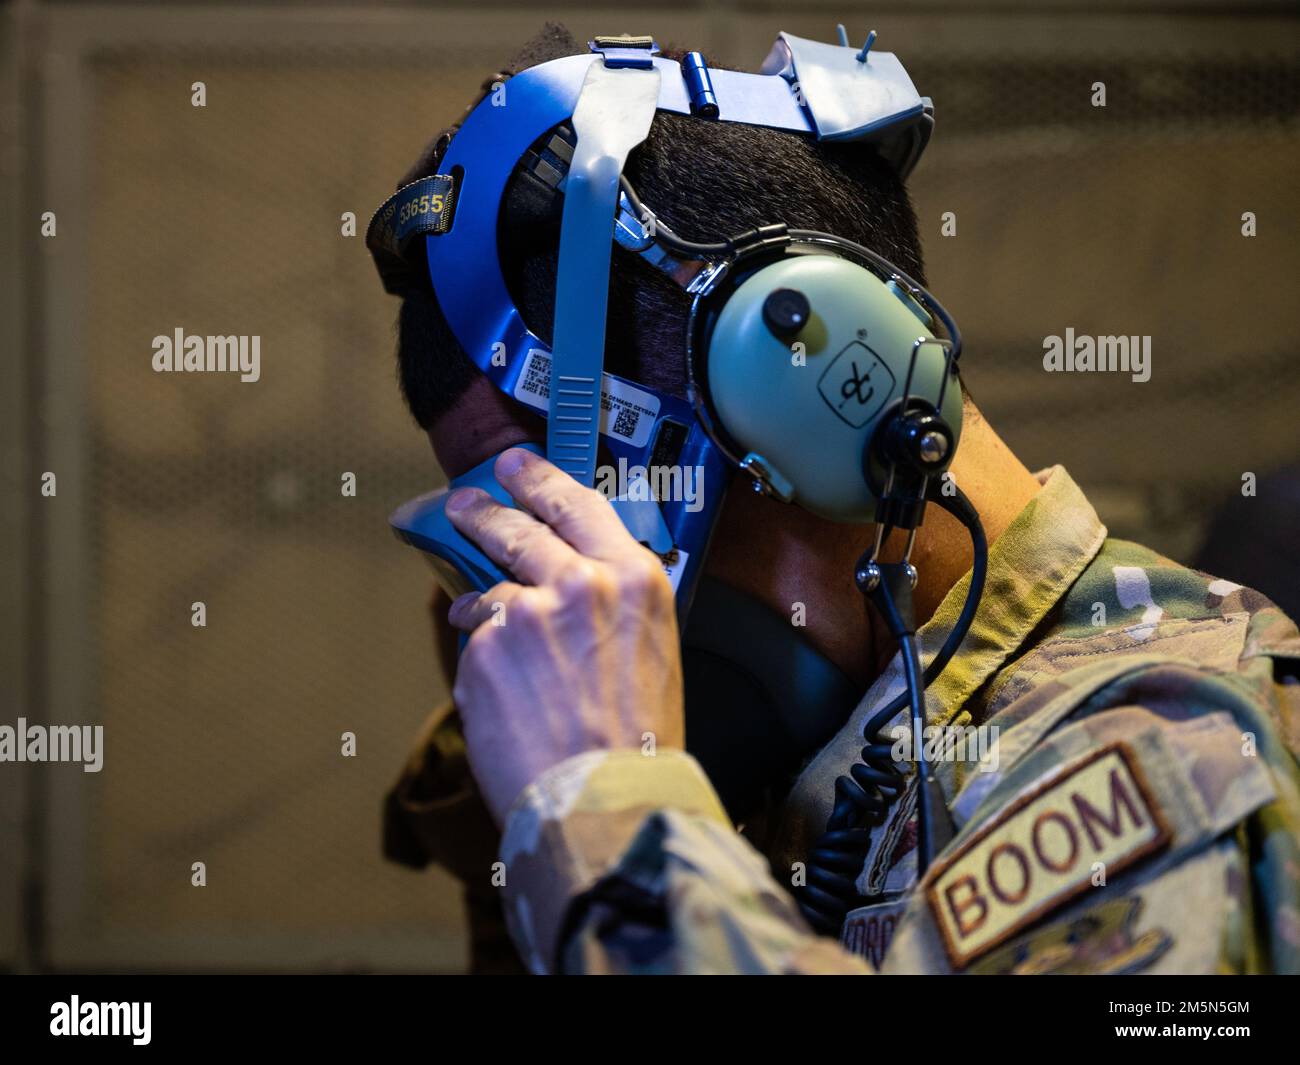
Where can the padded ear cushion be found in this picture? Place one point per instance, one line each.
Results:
(808, 398)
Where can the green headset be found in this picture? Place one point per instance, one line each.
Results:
(804, 353)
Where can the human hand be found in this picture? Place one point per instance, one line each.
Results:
(580, 652)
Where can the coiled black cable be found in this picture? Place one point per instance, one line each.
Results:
(864, 795)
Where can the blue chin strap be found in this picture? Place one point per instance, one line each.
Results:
(443, 230)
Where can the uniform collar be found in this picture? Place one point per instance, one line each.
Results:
(1031, 567)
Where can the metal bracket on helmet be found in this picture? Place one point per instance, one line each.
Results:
(857, 96)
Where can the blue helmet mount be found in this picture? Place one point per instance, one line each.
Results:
(441, 232)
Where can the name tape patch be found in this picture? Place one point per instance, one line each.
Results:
(869, 930)
(1041, 851)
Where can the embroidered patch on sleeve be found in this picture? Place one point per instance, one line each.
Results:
(869, 930)
(1101, 941)
(1042, 850)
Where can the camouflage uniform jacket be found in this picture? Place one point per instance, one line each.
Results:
(1139, 811)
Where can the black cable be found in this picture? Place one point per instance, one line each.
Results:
(662, 234)
(864, 795)
(915, 686)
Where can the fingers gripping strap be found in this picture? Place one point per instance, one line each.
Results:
(417, 209)
(613, 116)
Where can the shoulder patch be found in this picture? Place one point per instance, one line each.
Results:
(1101, 941)
(1040, 852)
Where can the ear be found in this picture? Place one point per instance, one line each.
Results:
(554, 41)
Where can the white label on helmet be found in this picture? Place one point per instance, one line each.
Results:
(674, 564)
(626, 412)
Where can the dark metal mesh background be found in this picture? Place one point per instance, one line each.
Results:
(1126, 220)
(225, 740)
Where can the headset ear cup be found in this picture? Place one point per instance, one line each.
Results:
(796, 357)
(707, 306)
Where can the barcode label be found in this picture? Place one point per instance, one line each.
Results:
(626, 412)
(674, 564)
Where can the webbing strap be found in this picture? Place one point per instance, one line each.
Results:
(612, 117)
(418, 209)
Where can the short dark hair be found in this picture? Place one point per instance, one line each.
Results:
(707, 180)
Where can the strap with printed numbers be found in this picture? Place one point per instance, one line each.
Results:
(421, 208)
